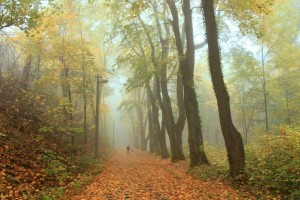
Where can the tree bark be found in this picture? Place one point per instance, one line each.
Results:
(233, 139)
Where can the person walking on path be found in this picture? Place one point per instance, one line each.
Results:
(128, 149)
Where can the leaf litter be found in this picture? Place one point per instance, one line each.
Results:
(144, 176)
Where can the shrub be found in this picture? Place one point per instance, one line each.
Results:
(22, 106)
(273, 164)
(86, 162)
(218, 168)
(53, 193)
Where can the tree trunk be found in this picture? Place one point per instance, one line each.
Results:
(244, 124)
(26, 71)
(143, 140)
(67, 90)
(264, 87)
(182, 114)
(140, 115)
(233, 139)
(163, 144)
(154, 135)
(174, 129)
(150, 128)
(286, 95)
(85, 131)
(195, 139)
(70, 106)
(1, 62)
(93, 108)
(197, 153)
(38, 66)
(98, 98)
(155, 115)
(83, 68)
(186, 64)
(0, 71)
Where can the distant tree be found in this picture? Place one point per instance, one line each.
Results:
(280, 50)
(246, 83)
(140, 53)
(272, 72)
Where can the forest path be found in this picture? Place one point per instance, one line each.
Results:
(144, 176)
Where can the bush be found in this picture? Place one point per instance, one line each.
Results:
(55, 167)
(22, 106)
(85, 162)
(53, 193)
(218, 168)
(273, 164)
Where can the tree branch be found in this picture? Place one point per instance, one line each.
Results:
(200, 45)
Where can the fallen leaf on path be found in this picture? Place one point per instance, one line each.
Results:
(144, 176)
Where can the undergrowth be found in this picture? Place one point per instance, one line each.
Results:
(272, 166)
(218, 168)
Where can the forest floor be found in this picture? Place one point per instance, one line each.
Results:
(40, 166)
(141, 175)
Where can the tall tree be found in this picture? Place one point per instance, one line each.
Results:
(233, 139)
(186, 64)
(174, 128)
(264, 86)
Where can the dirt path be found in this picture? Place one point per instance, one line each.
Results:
(143, 176)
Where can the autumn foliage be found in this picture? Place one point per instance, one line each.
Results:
(274, 164)
(149, 59)
(22, 106)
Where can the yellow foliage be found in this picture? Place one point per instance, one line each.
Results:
(104, 108)
(282, 129)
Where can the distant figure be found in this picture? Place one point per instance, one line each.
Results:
(128, 149)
